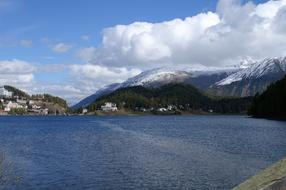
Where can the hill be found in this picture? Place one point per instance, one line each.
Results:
(242, 80)
(17, 92)
(272, 102)
(52, 99)
(251, 80)
(19, 102)
(182, 96)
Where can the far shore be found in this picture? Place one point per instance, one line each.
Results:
(124, 112)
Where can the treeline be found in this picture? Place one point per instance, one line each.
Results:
(184, 97)
(271, 103)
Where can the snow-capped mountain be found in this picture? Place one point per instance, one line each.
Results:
(246, 79)
(201, 77)
(166, 75)
(101, 92)
(252, 79)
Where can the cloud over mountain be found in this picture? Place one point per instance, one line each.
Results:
(229, 34)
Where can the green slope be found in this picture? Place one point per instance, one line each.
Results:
(185, 97)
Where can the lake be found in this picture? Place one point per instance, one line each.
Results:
(144, 152)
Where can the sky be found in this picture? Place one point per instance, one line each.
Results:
(73, 48)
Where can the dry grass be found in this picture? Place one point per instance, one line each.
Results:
(267, 177)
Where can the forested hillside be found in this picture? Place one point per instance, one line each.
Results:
(271, 103)
(184, 97)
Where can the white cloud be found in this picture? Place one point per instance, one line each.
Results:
(61, 48)
(89, 78)
(269, 9)
(86, 54)
(15, 67)
(234, 31)
(16, 72)
(101, 74)
(218, 38)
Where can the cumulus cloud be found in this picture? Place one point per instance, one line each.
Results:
(16, 72)
(61, 48)
(15, 67)
(219, 38)
(86, 54)
(97, 76)
(89, 78)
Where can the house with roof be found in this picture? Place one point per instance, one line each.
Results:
(109, 106)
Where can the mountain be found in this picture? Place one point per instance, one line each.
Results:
(272, 102)
(54, 104)
(16, 92)
(182, 96)
(252, 79)
(245, 79)
(202, 78)
(90, 99)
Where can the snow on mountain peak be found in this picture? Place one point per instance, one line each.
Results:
(166, 75)
(247, 62)
(256, 70)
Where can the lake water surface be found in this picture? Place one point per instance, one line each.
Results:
(148, 152)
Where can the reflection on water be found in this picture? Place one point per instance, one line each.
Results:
(176, 152)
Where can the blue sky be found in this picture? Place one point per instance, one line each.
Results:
(48, 36)
(65, 20)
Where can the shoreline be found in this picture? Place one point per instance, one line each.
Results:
(271, 178)
(124, 114)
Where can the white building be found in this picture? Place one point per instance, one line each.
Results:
(84, 111)
(12, 105)
(5, 93)
(162, 109)
(109, 106)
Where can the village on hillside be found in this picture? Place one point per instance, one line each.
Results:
(15, 104)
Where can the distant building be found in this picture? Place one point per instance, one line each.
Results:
(162, 109)
(109, 106)
(5, 93)
(84, 111)
(171, 107)
(11, 105)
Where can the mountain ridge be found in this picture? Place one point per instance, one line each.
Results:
(245, 79)
(178, 97)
